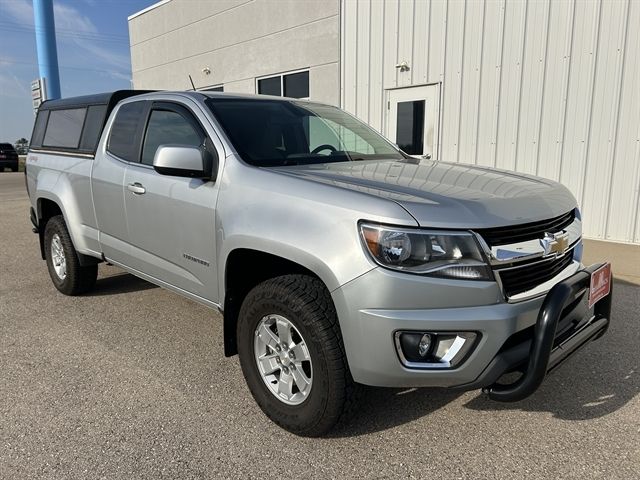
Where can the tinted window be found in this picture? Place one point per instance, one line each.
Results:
(214, 89)
(270, 86)
(318, 133)
(124, 138)
(93, 127)
(6, 146)
(410, 127)
(168, 128)
(270, 133)
(296, 85)
(325, 132)
(64, 128)
(39, 127)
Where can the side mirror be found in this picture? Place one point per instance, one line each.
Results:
(184, 161)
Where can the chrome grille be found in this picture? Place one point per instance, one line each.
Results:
(526, 231)
(517, 254)
(525, 277)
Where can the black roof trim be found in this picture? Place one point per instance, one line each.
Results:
(108, 98)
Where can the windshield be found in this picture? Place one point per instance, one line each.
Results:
(272, 133)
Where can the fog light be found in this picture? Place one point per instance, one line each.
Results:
(434, 349)
(423, 346)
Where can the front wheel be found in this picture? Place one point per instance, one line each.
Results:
(66, 273)
(292, 355)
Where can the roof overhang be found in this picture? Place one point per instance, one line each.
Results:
(148, 9)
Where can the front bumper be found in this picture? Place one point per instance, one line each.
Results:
(376, 305)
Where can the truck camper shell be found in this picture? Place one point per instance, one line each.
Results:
(74, 125)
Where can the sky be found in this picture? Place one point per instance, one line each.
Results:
(93, 54)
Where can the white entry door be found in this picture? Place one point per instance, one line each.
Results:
(412, 119)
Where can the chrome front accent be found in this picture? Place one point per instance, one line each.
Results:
(544, 287)
(515, 263)
(535, 248)
(462, 344)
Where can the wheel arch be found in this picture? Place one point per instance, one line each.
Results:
(46, 208)
(244, 269)
(51, 206)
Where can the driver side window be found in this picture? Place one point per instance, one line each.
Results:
(168, 128)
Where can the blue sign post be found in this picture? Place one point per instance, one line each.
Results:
(46, 45)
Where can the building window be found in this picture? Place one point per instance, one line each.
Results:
(294, 85)
(218, 88)
(270, 86)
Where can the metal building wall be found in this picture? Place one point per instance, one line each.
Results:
(544, 87)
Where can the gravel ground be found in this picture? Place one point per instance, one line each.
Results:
(130, 382)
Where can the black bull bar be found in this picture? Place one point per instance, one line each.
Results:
(546, 352)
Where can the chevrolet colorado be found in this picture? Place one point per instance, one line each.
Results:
(335, 258)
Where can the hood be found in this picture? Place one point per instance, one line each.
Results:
(447, 195)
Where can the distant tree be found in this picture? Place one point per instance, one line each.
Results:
(22, 146)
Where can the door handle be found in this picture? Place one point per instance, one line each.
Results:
(136, 188)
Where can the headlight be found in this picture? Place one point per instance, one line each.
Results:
(438, 253)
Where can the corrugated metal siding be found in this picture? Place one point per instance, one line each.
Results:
(544, 87)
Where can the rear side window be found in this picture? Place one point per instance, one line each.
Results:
(93, 127)
(39, 128)
(124, 139)
(64, 128)
(168, 128)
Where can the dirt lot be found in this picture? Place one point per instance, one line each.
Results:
(130, 382)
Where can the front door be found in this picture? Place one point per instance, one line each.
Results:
(171, 220)
(412, 119)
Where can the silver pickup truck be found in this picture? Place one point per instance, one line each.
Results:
(336, 259)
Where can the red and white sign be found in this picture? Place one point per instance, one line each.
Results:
(600, 284)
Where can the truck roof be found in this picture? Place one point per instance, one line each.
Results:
(74, 125)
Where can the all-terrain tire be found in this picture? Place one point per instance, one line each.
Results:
(307, 304)
(77, 279)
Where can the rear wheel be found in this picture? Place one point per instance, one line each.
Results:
(292, 355)
(66, 273)
(14, 169)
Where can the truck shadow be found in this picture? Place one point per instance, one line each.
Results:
(597, 381)
(119, 283)
(382, 408)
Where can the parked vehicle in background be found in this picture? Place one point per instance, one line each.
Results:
(8, 157)
(335, 258)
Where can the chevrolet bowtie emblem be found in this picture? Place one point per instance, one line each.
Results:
(555, 243)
